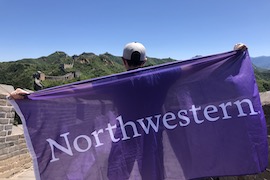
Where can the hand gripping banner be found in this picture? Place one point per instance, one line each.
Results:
(181, 120)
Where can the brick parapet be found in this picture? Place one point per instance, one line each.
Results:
(14, 155)
(7, 114)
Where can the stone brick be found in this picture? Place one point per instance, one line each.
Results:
(21, 136)
(12, 138)
(8, 127)
(3, 96)
(2, 139)
(9, 132)
(6, 108)
(3, 102)
(10, 115)
(22, 141)
(1, 127)
(3, 151)
(11, 120)
(4, 120)
(23, 151)
(2, 115)
(3, 133)
(22, 146)
(3, 145)
(15, 153)
(15, 142)
(13, 149)
(9, 144)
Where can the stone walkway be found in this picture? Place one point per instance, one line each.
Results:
(27, 174)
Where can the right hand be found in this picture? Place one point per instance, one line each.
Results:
(240, 46)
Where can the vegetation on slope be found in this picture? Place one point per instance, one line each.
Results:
(20, 73)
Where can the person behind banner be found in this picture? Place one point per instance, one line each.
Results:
(134, 56)
(146, 150)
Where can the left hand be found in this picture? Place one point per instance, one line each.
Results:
(18, 94)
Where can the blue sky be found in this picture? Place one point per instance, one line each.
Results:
(172, 28)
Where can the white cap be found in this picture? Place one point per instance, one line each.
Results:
(130, 48)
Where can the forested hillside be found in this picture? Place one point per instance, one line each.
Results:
(262, 78)
(20, 73)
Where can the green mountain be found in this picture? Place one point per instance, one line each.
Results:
(60, 68)
(85, 66)
(262, 78)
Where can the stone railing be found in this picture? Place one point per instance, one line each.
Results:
(14, 155)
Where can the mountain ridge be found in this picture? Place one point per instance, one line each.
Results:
(90, 65)
(261, 61)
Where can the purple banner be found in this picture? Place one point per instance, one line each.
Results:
(182, 120)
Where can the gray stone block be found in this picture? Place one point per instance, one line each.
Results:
(21, 141)
(4, 120)
(11, 120)
(2, 115)
(6, 108)
(3, 96)
(10, 115)
(12, 138)
(8, 127)
(13, 149)
(2, 139)
(23, 151)
(22, 146)
(3, 151)
(3, 102)
(3, 133)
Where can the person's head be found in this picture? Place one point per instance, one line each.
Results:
(134, 55)
(36, 75)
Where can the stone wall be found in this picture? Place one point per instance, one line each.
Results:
(68, 76)
(14, 155)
